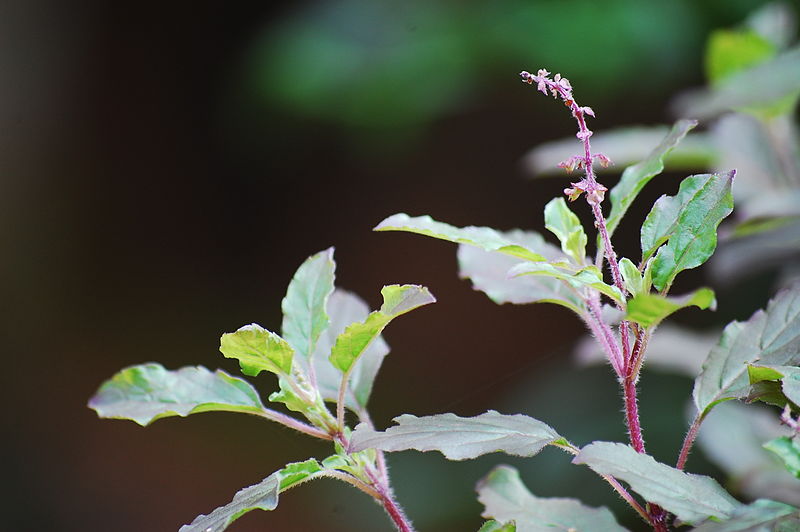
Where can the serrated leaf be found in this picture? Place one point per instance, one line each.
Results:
(506, 498)
(759, 516)
(148, 392)
(689, 222)
(789, 377)
(261, 496)
(258, 349)
(459, 438)
(635, 177)
(562, 222)
(397, 300)
(304, 306)
(692, 498)
(494, 526)
(769, 337)
(488, 272)
(650, 309)
(589, 276)
(731, 51)
(483, 237)
(788, 450)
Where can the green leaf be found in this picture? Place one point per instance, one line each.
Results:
(494, 526)
(587, 277)
(688, 221)
(345, 308)
(760, 516)
(692, 498)
(506, 498)
(258, 349)
(770, 337)
(634, 282)
(731, 51)
(789, 377)
(788, 450)
(562, 222)
(304, 316)
(148, 392)
(635, 177)
(397, 300)
(650, 309)
(483, 237)
(488, 272)
(459, 438)
(776, 81)
(261, 496)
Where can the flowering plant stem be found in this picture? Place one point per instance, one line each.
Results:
(625, 360)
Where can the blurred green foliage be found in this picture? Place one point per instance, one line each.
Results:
(400, 64)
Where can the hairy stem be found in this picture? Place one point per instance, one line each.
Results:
(632, 413)
(603, 333)
(387, 500)
(688, 441)
(295, 424)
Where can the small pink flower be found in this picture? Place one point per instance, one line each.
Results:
(576, 161)
(588, 111)
(603, 159)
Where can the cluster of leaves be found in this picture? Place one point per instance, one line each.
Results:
(330, 349)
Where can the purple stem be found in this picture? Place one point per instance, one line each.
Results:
(688, 441)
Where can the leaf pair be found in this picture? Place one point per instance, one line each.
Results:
(330, 331)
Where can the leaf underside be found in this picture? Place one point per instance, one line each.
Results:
(459, 438)
(759, 516)
(693, 498)
(488, 272)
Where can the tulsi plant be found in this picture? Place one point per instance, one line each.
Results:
(330, 349)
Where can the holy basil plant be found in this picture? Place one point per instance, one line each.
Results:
(755, 360)
(330, 349)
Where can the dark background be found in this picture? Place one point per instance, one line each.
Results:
(165, 168)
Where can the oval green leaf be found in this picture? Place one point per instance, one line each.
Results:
(149, 392)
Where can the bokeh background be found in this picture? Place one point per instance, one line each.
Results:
(166, 166)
